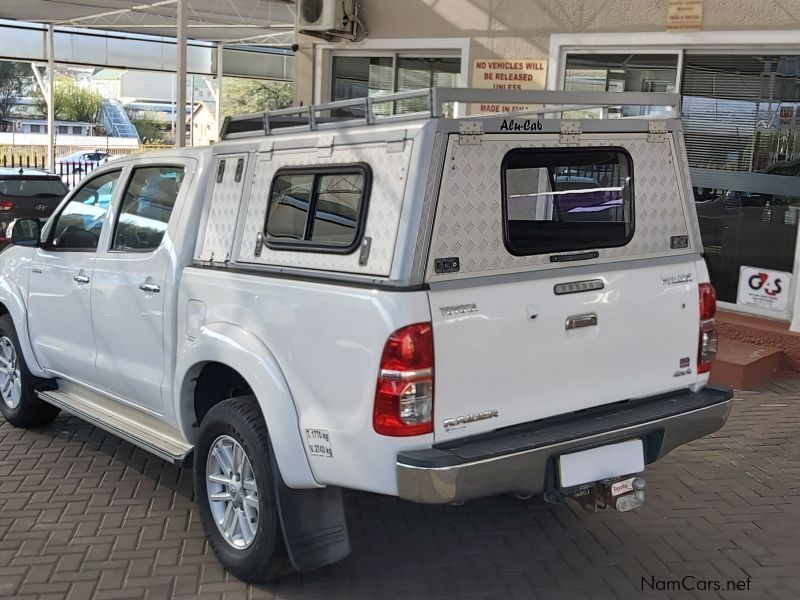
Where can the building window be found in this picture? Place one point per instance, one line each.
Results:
(374, 76)
(741, 121)
(742, 113)
(63, 129)
(621, 73)
(77, 130)
(36, 128)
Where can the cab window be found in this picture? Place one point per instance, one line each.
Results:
(146, 208)
(80, 223)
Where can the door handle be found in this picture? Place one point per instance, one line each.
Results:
(81, 278)
(587, 320)
(152, 288)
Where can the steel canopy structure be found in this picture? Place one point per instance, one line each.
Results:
(216, 26)
(257, 22)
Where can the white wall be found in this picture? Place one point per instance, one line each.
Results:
(40, 139)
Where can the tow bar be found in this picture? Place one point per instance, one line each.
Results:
(623, 495)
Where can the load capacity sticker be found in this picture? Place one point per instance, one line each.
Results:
(319, 442)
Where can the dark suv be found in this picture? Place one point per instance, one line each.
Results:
(28, 194)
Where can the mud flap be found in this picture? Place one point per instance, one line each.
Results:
(314, 525)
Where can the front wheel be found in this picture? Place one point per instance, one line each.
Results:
(234, 490)
(19, 403)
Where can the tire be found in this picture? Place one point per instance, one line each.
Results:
(238, 421)
(18, 400)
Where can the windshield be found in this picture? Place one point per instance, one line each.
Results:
(34, 187)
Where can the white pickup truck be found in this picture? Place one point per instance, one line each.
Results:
(346, 296)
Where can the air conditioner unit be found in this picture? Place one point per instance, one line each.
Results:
(324, 15)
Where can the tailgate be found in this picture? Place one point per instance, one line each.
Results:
(563, 274)
(560, 341)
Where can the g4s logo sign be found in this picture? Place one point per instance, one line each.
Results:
(760, 281)
(764, 289)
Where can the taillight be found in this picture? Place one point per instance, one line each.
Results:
(707, 344)
(6, 205)
(404, 394)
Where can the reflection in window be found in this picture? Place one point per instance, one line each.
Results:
(80, 223)
(288, 208)
(567, 199)
(146, 208)
(620, 73)
(362, 76)
(742, 112)
(313, 209)
(745, 229)
(338, 206)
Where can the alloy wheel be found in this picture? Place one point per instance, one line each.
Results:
(10, 375)
(232, 492)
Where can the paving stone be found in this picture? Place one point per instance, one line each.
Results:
(86, 515)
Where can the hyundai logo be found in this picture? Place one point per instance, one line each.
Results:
(41, 207)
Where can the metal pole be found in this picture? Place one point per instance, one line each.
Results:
(180, 84)
(219, 88)
(191, 112)
(51, 103)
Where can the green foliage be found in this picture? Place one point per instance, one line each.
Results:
(242, 96)
(72, 103)
(12, 80)
(151, 127)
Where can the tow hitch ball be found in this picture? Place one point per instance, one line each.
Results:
(623, 495)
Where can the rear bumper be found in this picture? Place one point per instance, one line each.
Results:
(522, 458)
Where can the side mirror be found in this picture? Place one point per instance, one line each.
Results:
(26, 232)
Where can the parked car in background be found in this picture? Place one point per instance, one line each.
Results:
(73, 167)
(28, 194)
(79, 161)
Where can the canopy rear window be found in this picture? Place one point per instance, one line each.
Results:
(566, 199)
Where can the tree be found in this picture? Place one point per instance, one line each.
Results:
(151, 127)
(72, 103)
(242, 96)
(11, 84)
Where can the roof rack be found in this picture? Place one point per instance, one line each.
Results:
(429, 103)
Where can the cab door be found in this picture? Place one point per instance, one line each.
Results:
(134, 279)
(61, 272)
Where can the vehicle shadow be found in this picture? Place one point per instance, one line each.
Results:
(399, 549)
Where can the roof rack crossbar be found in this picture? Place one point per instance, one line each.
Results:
(308, 118)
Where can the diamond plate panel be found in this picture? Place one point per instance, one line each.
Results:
(428, 205)
(389, 177)
(469, 220)
(224, 208)
(684, 164)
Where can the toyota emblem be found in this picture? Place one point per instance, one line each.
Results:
(41, 207)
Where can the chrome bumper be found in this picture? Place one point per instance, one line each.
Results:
(522, 459)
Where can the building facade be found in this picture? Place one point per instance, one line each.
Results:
(735, 63)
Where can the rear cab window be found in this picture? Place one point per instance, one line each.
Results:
(566, 199)
(319, 209)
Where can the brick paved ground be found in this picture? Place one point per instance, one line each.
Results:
(84, 515)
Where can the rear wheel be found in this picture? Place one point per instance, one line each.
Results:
(19, 403)
(235, 491)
